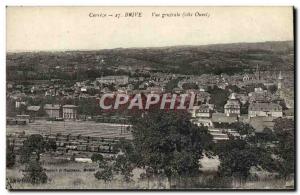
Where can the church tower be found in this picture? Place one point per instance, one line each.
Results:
(279, 84)
(257, 73)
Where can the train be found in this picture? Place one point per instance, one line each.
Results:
(66, 143)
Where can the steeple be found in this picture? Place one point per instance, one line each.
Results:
(280, 76)
(257, 74)
(279, 85)
(232, 96)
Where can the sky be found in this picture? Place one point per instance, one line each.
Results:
(72, 28)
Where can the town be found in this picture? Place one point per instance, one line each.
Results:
(256, 98)
(81, 111)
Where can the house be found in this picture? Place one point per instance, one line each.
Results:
(70, 112)
(232, 107)
(177, 90)
(264, 109)
(33, 110)
(52, 110)
(23, 119)
(155, 90)
(118, 80)
(20, 103)
(221, 120)
(246, 77)
(202, 122)
(260, 95)
(202, 111)
(203, 88)
(84, 89)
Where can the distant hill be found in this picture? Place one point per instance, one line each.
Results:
(217, 58)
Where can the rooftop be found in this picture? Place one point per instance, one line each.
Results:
(69, 106)
(222, 118)
(261, 106)
(51, 107)
(33, 108)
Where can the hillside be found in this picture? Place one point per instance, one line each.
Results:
(218, 58)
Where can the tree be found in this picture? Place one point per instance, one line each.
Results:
(106, 174)
(124, 166)
(284, 131)
(233, 88)
(87, 106)
(34, 144)
(186, 86)
(244, 129)
(50, 145)
(267, 136)
(34, 173)
(169, 143)
(218, 97)
(10, 155)
(273, 89)
(244, 108)
(172, 84)
(236, 158)
(127, 159)
(106, 171)
(127, 148)
(97, 157)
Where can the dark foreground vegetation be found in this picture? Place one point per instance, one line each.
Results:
(167, 148)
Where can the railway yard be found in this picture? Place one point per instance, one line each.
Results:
(78, 138)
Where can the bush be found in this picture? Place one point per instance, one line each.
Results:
(97, 157)
(10, 156)
(34, 173)
(105, 174)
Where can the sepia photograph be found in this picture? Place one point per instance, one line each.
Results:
(150, 98)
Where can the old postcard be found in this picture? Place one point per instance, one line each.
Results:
(150, 98)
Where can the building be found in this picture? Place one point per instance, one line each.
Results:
(33, 110)
(264, 109)
(260, 95)
(23, 118)
(20, 103)
(202, 111)
(221, 120)
(232, 107)
(52, 110)
(70, 112)
(220, 134)
(246, 77)
(118, 80)
(280, 85)
(206, 122)
(257, 73)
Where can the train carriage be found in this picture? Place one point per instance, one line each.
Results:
(82, 147)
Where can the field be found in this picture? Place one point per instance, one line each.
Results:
(84, 128)
(79, 175)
